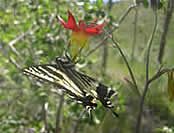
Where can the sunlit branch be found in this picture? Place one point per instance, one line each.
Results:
(13, 61)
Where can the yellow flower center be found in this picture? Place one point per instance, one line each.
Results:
(78, 41)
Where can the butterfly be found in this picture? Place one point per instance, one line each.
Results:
(76, 84)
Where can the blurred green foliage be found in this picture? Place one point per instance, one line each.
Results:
(30, 34)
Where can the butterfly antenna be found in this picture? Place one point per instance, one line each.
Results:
(78, 121)
(68, 57)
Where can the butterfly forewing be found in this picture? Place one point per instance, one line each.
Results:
(52, 74)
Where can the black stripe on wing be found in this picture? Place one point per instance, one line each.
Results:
(36, 72)
(52, 74)
(84, 82)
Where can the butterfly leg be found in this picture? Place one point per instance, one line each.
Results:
(78, 121)
(108, 104)
(64, 62)
(114, 113)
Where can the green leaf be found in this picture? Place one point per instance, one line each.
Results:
(145, 3)
(86, 6)
(99, 3)
(47, 2)
(162, 4)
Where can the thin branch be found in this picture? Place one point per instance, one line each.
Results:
(13, 61)
(165, 29)
(127, 64)
(147, 74)
(44, 115)
(158, 74)
(14, 50)
(105, 46)
(105, 56)
(134, 34)
(149, 46)
(58, 116)
(123, 16)
(116, 25)
(11, 43)
(97, 46)
(78, 121)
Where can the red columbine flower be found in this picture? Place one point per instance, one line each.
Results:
(80, 33)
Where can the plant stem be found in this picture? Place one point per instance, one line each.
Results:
(126, 13)
(147, 74)
(165, 29)
(127, 64)
(134, 34)
(158, 74)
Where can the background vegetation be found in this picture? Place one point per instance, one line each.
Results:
(30, 34)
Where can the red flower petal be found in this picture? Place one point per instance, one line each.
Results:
(62, 21)
(95, 30)
(87, 29)
(100, 26)
(71, 24)
(95, 20)
(92, 24)
(82, 24)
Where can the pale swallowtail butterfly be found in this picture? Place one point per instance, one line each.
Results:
(78, 85)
